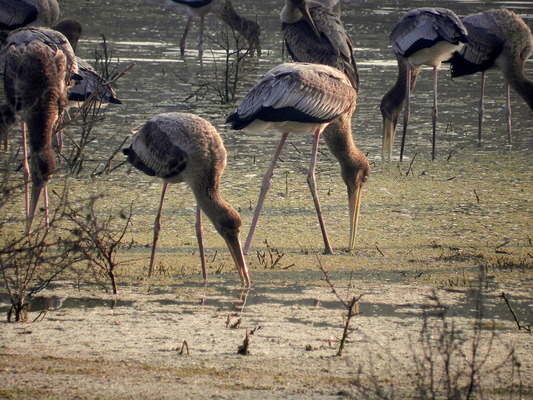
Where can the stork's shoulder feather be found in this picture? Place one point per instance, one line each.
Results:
(153, 151)
(319, 91)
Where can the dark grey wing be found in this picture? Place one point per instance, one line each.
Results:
(16, 14)
(89, 83)
(478, 54)
(423, 27)
(154, 153)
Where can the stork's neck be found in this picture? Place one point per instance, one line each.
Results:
(290, 14)
(208, 197)
(522, 84)
(392, 103)
(339, 139)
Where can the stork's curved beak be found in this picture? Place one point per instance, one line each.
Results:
(234, 246)
(37, 186)
(307, 16)
(354, 203)
(389, 133)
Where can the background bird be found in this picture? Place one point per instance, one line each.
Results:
(38, 64)
(313, 32)
(496, 39)
(298, 98)
(424, 36)
(223, 9)
(90, 85)
(180, 147)
(19, 13)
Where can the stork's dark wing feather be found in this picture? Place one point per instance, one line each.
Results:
(423, 27)
(16, 14)
(478, 54)
(153, 153)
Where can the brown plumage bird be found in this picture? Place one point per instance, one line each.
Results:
(313, 32)
(37, 64)
(497, 39)
(305, 98)
(181, 147)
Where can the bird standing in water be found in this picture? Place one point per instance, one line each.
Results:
(496, 39)
(424, 36)
(302, 98)
(38, 64)
(181, 147)
(314, 33)
(223, 9)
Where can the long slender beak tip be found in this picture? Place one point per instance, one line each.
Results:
(307, 16)
(354, 201)
(235, 249)
(389, 133)
(36, 190)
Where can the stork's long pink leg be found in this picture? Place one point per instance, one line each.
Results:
(201, 37)
(435, 111)
(311, 181)
(26, 170)
(157, 228)
(481, 108)
(267, 181)
(200, 238)
(508, 115)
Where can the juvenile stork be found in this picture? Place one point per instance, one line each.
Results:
(19, 13)
(496, 39)
(180, 147)
(424, 36)
(304, 98)
(314, 33)
(223, 9)
(38, 64)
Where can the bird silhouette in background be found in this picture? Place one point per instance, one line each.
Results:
(424, 36)
(38, 64)
(303, 98)
(181, 147)
(496, 39)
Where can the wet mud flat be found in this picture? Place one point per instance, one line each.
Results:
(180, 339)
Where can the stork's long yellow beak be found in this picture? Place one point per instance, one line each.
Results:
(389, 133)
(36, 189)
(354, 204)
(234, 246)
(307, 16)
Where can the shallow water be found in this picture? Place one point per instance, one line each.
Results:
(141, 32)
